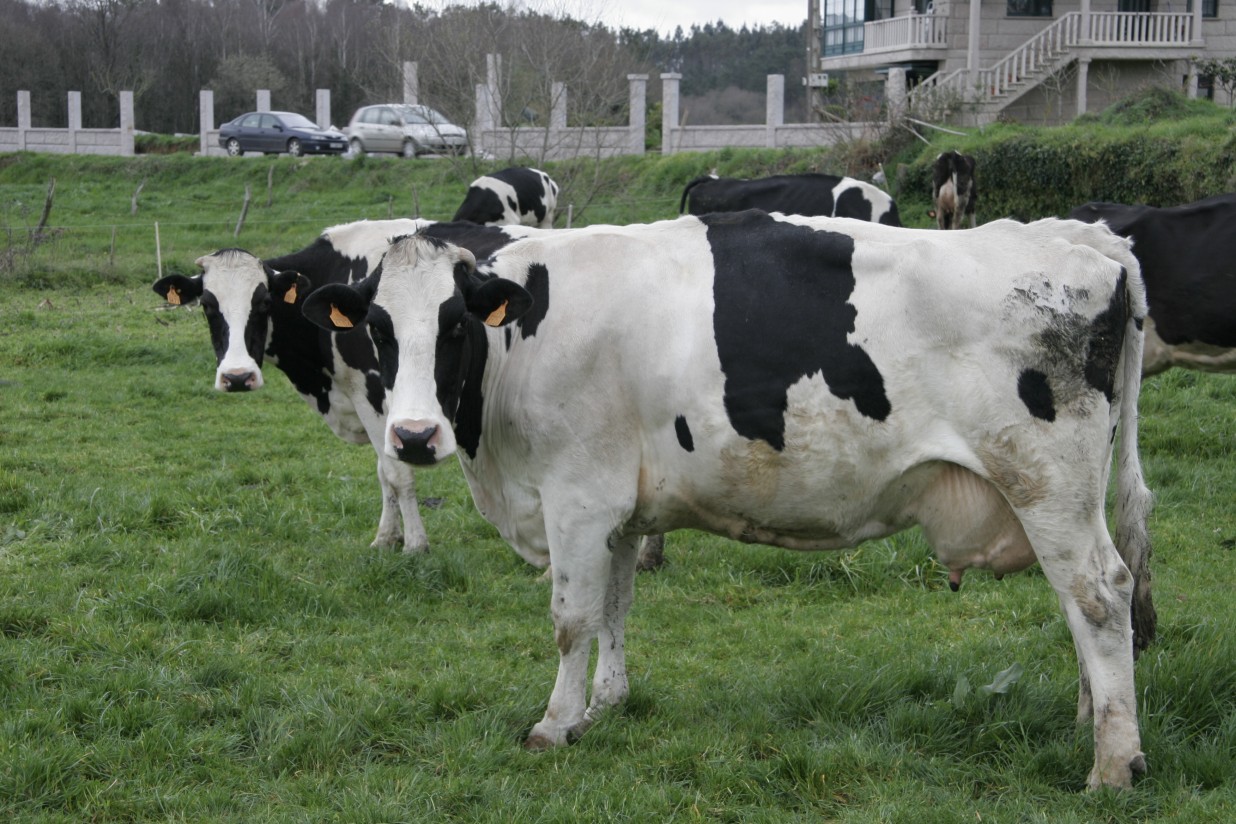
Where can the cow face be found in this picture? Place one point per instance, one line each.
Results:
(237, 292)
(426, 308)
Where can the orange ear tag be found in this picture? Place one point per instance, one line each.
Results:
(338, 318)
(290, 295)
(173, 296)
(497, 316)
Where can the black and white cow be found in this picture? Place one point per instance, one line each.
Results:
(954, 190)
(605, 383)
(1188, 257)
(253, 309)
(802, 194)
(517, 195)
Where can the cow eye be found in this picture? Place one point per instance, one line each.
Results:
(457, 331)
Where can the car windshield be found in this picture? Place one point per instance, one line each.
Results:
(424, 114)
(297, 121)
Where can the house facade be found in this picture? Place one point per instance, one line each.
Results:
(1033, 61)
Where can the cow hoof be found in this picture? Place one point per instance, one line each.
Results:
(1138, 765)
(651, 554)
(539, 742)
(416, 549)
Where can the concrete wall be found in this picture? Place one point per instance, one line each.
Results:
(73, 140)
(557, 141)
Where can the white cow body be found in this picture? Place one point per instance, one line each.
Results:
(640, 394)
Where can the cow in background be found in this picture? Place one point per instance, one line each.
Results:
(810, 194)
(1188, 257)
(953, 189)
(253, 309)
(516, 195)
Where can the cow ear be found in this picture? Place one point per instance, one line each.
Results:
(179, 289)
(498, 301)
(336, 307)
(288, 287)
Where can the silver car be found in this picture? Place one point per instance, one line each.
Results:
(404, 129)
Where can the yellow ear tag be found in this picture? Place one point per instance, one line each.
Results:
(338, 318)
(290, 295)
(497, 316)
(173, 297)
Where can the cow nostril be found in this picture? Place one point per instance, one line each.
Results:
(238, 381)
(416, 442)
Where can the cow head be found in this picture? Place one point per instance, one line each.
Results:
(238, 293)
(426, 308)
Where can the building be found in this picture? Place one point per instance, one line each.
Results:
(1033, 61)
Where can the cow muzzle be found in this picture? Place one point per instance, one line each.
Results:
(416, 442)
(238, 380)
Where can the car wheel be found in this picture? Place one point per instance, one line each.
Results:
(409, 149)
(233, 147)
(294, 148)
(357, 149)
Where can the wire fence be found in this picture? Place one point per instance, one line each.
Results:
(111, 248)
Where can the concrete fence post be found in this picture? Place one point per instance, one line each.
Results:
(637, 120)
(322, 108)
(558, 107)
(896, 94)
(263, 100)
(126, 124)
(205, 116)
(774, 108)
(75, 119)
(411, 87)
(670, 82)
(23, 119)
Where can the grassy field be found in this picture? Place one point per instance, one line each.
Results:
(194, 628)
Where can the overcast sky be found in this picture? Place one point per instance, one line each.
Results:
(662, 15)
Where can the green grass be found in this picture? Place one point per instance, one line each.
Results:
(194, 628)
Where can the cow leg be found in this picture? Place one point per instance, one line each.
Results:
(609, 682)
(582, 566)
(399, 499)
(1094, 587)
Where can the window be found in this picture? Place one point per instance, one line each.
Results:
(1210, 8)
(1029, 8)
(843, 23)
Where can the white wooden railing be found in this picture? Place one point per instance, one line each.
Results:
(1041, 54)
(908, 31)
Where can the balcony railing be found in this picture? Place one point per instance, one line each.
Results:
(1044, 52)
(911, 31)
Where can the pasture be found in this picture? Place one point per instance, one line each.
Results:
(194, 628)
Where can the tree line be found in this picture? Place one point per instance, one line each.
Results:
(166, 51)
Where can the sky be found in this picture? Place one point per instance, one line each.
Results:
(663, 15)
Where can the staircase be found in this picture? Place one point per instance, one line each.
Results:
(989, 90)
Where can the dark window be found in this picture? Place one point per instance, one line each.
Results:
(843, 23)
(1029, 8)
(1205, 86)
(1210, 8)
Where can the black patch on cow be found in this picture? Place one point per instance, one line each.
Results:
(481, 241)
(782, 313)
(464, 351)
(480, 206)
(1107, 339)
(538, 287)
(684, 434)
(381, 337)
(853, 203)
(216, 323)
(1035, 393)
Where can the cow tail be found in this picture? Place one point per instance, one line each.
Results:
(1133, 498)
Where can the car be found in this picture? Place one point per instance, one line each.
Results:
(405, 129)
(277, 132)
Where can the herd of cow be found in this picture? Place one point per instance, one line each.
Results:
(759, 369)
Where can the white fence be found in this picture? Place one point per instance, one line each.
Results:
(557, 141)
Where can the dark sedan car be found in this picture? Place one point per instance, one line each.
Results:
(276, 132)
